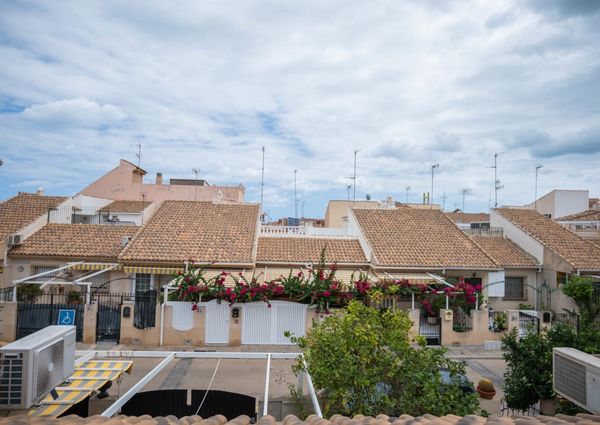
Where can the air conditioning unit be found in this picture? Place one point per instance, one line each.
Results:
(576, 377)
(34, 365)
(14, 240)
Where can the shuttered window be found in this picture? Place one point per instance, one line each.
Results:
(514, 288)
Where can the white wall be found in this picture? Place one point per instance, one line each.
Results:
(354, 230)
(90, 202)
(570, 202)
(518, 236)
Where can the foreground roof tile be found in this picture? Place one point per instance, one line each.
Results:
(579, 419)
(21, 210)
(76, 241)
(578, 252)
(301, 250)
(201, 232)
(419, 238)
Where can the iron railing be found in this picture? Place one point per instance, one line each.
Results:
(484, 231)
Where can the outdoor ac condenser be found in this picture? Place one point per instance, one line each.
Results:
(576, 377)
(33, 365)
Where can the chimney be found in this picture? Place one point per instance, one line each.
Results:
(40, 191)
(159, 179)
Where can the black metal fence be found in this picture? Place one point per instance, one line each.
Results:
(36, 310)
(570, 320)
(145, 309)
(462, 322)
(528, 322)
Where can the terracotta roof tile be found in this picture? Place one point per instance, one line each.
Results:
(408, 237)
(294, 250)
(505, 252)
(589, 215)
(126, 206)
(580, 253)
(579, 419)
(21, 210)
(202, 232)
(99, 241)
(462, 217)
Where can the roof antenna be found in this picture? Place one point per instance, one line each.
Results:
(139, 153)
(262, 178)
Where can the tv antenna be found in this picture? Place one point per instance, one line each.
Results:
(262, 178)
(138, 153)
(444, 197)
(465, 192)
(353, 178)
(407, 188)
(497, 185)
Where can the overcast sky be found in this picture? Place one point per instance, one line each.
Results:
(206, 84)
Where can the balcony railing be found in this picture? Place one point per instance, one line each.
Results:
(484, 231)
(308, 231)
(70, 215)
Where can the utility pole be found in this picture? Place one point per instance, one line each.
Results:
(408, 188)
(433, 167)
(195, 170)
(465, 191)
(262, 178)
(444, 201)
(537, 168)
(295, 194)
(354, 176)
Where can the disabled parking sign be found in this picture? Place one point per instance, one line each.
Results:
(66, 317)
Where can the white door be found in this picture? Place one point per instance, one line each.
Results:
(264, 325)
(217, 322)
(256, 323)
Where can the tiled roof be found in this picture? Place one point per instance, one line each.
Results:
(19, 211)
(505, 252)
(76, 241)
(293, 250)
(408, 237)
(589, 215)
(126, 206)
(462, 217)
(201, 232)
(578, 252)
(579, 419)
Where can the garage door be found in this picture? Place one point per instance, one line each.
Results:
(264, 325)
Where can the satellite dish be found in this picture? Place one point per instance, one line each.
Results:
(1, 162)
(368, 197)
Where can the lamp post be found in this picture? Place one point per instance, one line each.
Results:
(433, 167)
(537, 169)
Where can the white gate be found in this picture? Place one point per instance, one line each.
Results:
(217, 322)
(264, 325)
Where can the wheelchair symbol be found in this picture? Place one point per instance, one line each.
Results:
(66, 317)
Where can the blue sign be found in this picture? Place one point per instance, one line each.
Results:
(66, 317)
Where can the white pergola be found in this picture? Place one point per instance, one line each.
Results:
(169, 356)
(80, 281)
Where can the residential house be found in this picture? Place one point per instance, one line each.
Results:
(585, 224)
(88, 246)
(281, 255)
(336, 214)
(183, 233)
(470, 220)
(23, 215)
(522, 272)
(125, 182)
(559, 203)
(560, 251)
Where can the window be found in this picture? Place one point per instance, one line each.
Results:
(561, 278)
(143, 282)
(514, 288)
(41, 269)
(100, 282)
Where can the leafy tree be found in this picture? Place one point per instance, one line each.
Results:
(528, 376)
(364, 362)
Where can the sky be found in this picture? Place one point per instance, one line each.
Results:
(207, 84)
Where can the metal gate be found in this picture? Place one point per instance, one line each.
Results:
(217, 322)
(262, 324)
(35, 311)
(529, 321)
(430, 328)
(108, 319)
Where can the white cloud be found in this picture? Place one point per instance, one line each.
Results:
(205, 85)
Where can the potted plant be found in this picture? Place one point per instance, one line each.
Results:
(73, 297)
(431, 304)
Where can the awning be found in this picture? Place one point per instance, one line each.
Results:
(413, 278)
(94, 266)
(152, 269)
(87, 378)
